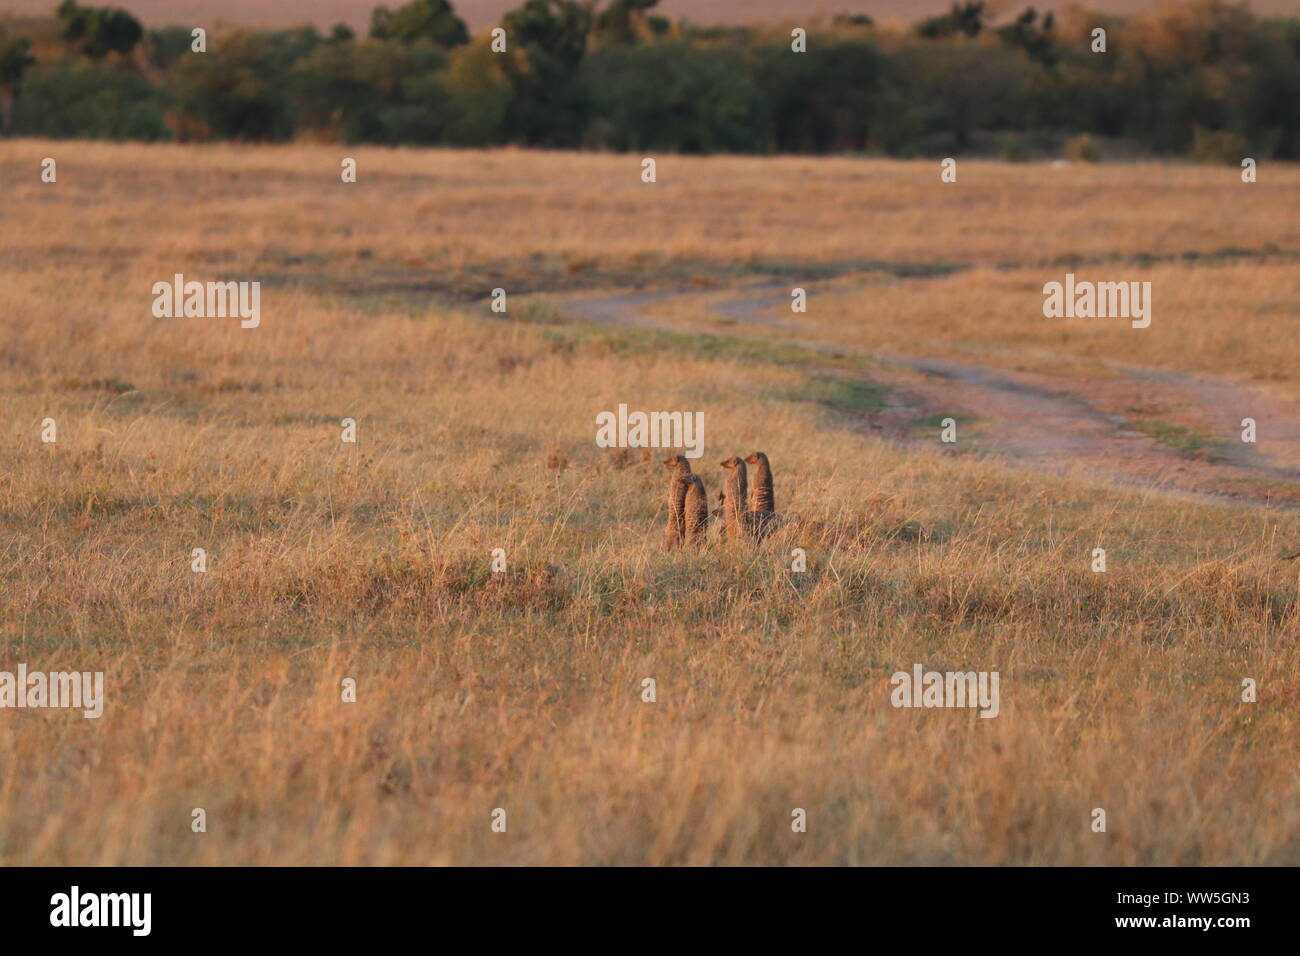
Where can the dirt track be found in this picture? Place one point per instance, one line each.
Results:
(1034, 421)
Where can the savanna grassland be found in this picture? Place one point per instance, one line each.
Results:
(523, 690)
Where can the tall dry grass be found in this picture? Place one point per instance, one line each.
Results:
(523, 690)
(466, 221)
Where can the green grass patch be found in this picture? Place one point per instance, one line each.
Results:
(833, 270)
(935, 421)
(1188, 441)
(699, 345)
(843, 394)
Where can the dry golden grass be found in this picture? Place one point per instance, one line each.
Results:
(466, 221)
(523, 690)
(1223, 317)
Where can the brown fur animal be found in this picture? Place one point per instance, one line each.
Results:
(762, 517)
(760, 492)
(681, 468)
(697, 509)
(736, 493)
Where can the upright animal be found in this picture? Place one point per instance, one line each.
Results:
(735, 494)
(697, 509)
(762, 518)
(681, 469)
(760, 492)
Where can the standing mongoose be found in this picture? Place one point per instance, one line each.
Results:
(697, 509)
(737, 493)
(681, 468)
(762, 519)
(760, 492)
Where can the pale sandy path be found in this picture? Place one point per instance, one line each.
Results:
(1224, 404)
(1035, 421)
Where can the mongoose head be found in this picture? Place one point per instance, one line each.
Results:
(733, 462)
(755, 457)
(680, 462)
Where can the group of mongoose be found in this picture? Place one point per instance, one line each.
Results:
(749, 510)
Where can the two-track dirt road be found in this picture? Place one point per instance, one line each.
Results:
(1033, 420)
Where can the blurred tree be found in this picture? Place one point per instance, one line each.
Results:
(966, 18)
(549, 41)
(242, 90)
(1035, 38)
(479, 94)
(1269, 114)
(675, 96)
(623, 21)
(168, 45)
(1192, 76)
(80, 98)
(98, 31)
(385, 92)
(14, 61)
(1183, 67)
(433, 20)
(820, 104)
(959, 89)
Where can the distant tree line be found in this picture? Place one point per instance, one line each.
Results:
(1207, 78)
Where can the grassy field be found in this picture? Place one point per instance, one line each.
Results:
(523, 690)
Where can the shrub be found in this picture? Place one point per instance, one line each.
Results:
(674, 95)
(1082, 149)
(1217, 146)
(241, 89)
(432, 20)
(80, 98)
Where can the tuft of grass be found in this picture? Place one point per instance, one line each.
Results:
(842, 394)
(935, 421)
(112, 385)
(1188, 441)
(601, 339)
